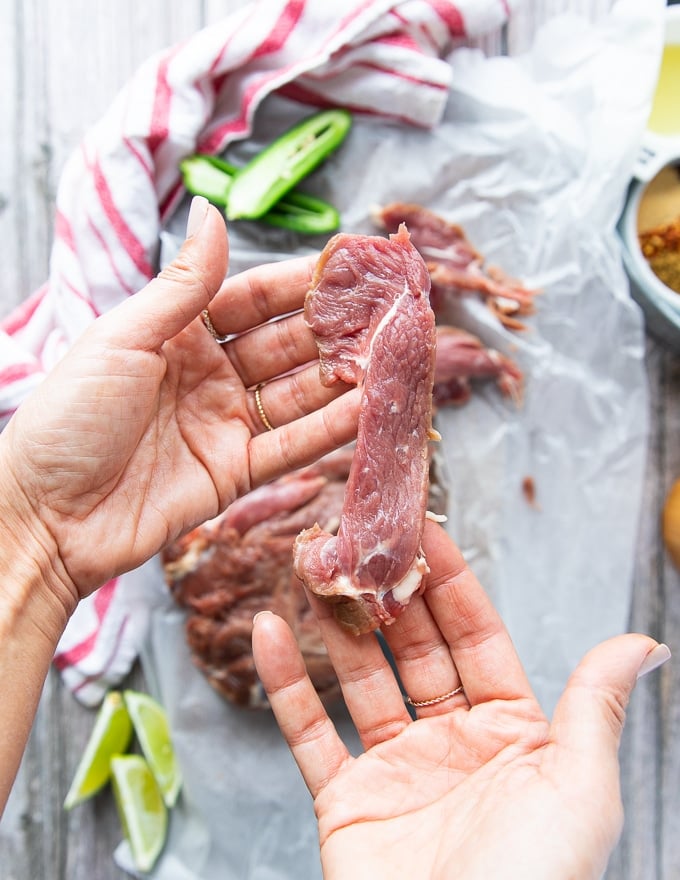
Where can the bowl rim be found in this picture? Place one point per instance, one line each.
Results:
(652, 284)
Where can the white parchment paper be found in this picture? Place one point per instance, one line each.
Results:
(533, 158)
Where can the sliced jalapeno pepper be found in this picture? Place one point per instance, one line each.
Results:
(272, 173)
(303, 213)
(211, 177)
(208, 176)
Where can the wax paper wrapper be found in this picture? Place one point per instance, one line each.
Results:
(533, 159)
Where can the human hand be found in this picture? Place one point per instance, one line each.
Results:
(481, 785)
(148, 426)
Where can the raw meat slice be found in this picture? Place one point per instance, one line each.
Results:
(369, 311)
(455, 266)
(462, 357)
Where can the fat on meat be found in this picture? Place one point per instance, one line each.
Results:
(369, 310)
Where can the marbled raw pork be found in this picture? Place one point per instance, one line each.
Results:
(370, 313)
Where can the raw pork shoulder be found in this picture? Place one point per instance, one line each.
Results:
(370, 313)
(226, 570)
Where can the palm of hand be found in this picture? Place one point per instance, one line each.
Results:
(415, 804)
(481, 786)
(141, 446)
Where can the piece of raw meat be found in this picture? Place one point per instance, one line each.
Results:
(226, 570)
(462, 357)
(370, 314)
(455, 266)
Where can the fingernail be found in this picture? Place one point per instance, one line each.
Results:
(656, 657)
(259, 613)
(197, 214)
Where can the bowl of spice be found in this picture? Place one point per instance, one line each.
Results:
(658, 229)
(650, 223)
(650, 233)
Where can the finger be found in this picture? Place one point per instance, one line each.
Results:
(272, 349)
(177, 295)
(289, 398)
(423, 659)
(481, 647)
(369, 687)
(304, 440)
(589, 717)
(305, 725)
(260, 294)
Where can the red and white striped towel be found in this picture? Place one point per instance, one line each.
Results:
(122, 183)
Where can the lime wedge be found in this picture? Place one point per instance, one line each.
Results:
(153, 733)
(110, 735)
(141, 808)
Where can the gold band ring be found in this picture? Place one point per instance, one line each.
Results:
(434, 700)
(260, 409)
(210, 327)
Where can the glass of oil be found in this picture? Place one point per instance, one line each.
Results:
(661, 142)
(664, 118)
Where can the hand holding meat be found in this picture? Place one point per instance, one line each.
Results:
(146, 428)
(481, 785)
(149, 426)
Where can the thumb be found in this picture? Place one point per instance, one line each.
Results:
(590, 715)
(184, 287)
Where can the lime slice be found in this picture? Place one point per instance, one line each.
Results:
(153, 733)
(110, 735)
(141, 808)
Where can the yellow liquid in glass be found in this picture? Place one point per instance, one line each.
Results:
(665, 115)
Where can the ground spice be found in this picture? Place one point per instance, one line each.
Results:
(661, 247)
(658, 225)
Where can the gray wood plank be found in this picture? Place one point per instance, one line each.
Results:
(637, 855)
(24, 152)
(669, 631)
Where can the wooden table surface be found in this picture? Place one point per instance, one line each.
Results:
(62, 64)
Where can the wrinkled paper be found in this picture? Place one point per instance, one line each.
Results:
(533, 158)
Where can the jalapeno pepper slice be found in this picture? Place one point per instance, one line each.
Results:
(274, 172)
(208, 176)
(303, 213)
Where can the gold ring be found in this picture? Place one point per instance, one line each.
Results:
(434, 700)
(260, 409)
(210, 327)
